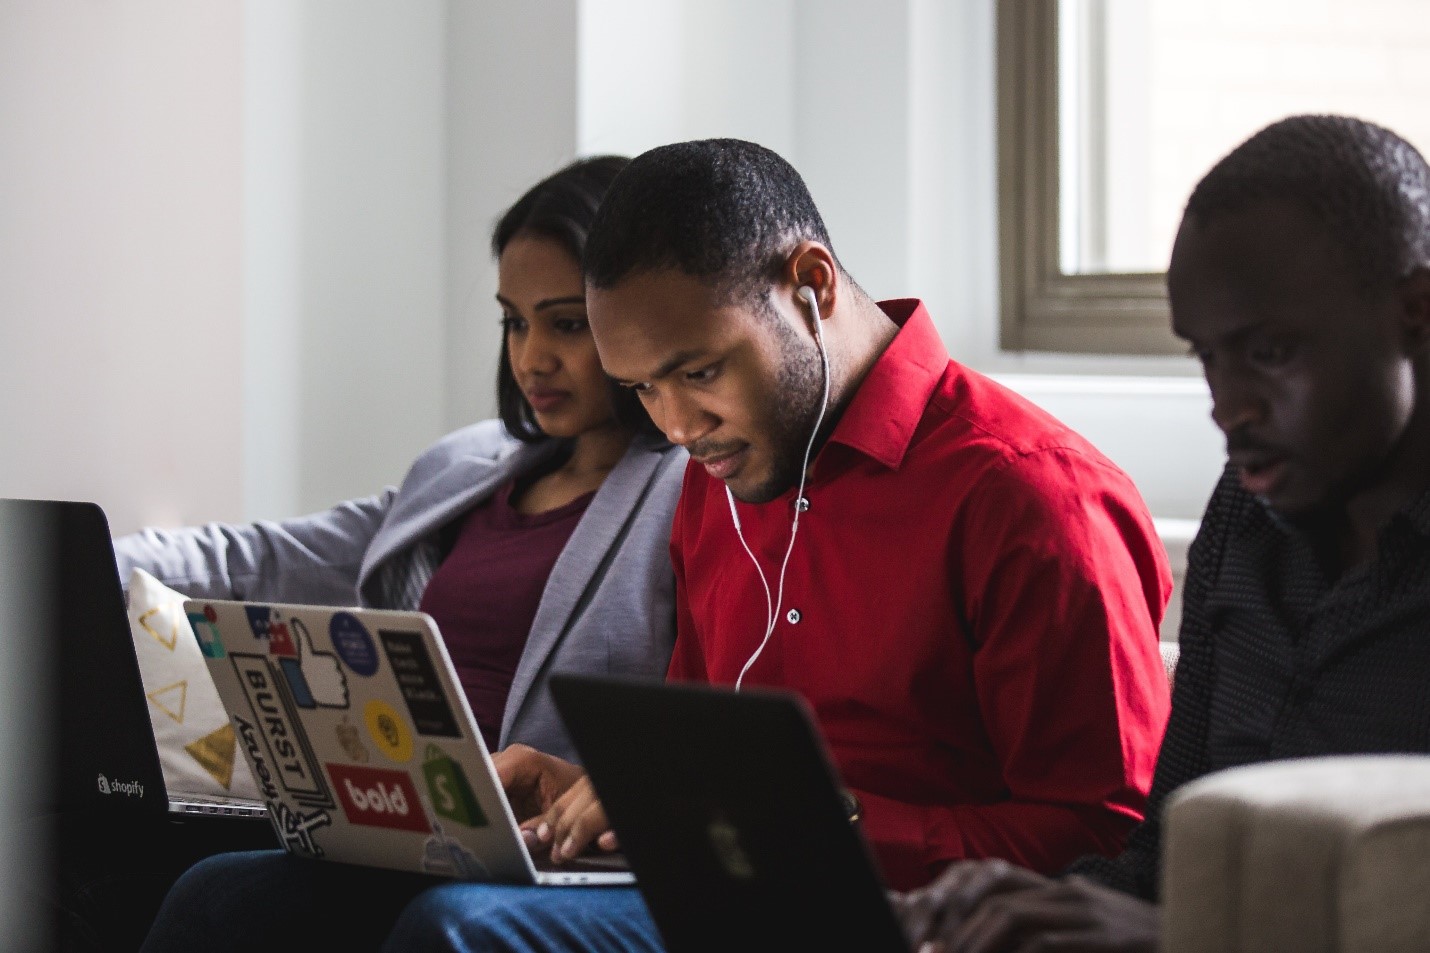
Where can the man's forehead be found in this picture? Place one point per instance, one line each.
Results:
(643, 337)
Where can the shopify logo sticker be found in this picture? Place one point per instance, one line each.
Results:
(111, 786)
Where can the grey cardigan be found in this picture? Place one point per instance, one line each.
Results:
(608, 606)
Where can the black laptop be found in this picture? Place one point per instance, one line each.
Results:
(728, 809)
(95, 747)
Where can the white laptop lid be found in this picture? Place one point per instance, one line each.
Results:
(362, 742)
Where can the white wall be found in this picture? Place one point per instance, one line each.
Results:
(121, 231)
(321, 211)
(887, 110)
(658, 71)
(344, 323)
(511, 112)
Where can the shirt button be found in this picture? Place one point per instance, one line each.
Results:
(802, 504)
(793, 616)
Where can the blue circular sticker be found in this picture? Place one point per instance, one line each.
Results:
(352, 643)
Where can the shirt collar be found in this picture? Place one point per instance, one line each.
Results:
(884, 413)
(1416, 513)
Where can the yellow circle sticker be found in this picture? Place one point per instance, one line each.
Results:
(387, 729)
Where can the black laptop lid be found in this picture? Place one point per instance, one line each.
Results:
(98, 752)
(728, 809)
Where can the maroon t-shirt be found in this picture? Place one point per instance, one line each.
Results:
(485, 594)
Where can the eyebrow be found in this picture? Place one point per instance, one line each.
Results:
(674, 361)
(1232, 338)
(547, 302)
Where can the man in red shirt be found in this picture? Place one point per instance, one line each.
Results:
(969, 598)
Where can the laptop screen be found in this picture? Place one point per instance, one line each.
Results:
(86, 734)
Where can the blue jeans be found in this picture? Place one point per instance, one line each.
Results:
(268, 900)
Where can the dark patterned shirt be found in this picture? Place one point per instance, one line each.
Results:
(1278, 661)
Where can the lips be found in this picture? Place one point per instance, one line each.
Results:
(1260, 471)
(723, 466)
(543, 401)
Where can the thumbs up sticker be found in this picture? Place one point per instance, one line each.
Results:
(315, 678)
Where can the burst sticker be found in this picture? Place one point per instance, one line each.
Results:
(292, 756)
(261, 774)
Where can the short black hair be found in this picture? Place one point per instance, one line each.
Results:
(1367, 185)
(724, 211)
(560, 207)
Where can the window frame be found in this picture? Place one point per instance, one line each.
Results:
(1042, 308)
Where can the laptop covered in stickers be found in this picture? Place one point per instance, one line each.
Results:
(362, 743)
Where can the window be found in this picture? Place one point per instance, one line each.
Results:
(1111, 110)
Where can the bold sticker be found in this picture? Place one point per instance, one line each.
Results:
(287, 745)
(385, 726)
(315, 678)
(451, 795)
(206, 632)
(351, 741)
(446, 856)
(417, 678)
(296, 828)
(248, 734)
(353, 644)
(376, 797)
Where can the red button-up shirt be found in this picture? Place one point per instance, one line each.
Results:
(977, 593)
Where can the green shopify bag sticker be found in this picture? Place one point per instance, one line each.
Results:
(451, 795)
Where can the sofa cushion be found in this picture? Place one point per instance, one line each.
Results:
(1324, 855)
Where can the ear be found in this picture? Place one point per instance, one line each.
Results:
(812, 264)
(1414, 295)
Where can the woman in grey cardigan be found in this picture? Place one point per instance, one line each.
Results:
(538, 541)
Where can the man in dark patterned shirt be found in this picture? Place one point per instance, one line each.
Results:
(1301, 279)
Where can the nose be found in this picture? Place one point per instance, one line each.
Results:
(533, 353)
(681, 419)
(1236, 402)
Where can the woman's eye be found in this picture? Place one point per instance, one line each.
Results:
(511, 324)
(572, 325)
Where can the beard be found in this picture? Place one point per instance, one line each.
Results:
(792, 409)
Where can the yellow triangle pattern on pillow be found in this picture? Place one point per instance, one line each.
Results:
(196, 745)
(167, 641)
(215, 751)
(169, 697)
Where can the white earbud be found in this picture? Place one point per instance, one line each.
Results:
(772, 606)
